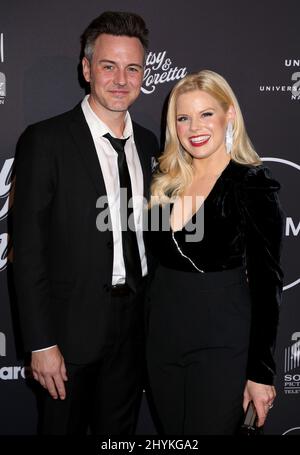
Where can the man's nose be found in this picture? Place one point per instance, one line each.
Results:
(120, 77)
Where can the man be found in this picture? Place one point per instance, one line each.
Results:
(80, 298)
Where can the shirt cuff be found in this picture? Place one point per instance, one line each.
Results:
(44, 349)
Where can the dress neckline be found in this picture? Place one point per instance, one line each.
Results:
(207, 197)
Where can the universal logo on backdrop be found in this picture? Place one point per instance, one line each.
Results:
(293, 88)
(8, 373)
(159, 69)
(2, 75)
(6, 194)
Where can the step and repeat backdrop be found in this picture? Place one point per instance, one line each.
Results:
(254, 45)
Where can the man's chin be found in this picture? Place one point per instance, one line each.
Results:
(119, 108)
(120, 105)
(116, 107)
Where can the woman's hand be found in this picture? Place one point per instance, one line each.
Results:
(262, 396)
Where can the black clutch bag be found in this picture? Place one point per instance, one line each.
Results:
(249, 426)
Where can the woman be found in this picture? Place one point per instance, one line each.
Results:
(214, 298)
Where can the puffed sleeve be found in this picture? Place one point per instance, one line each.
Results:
(262, 219)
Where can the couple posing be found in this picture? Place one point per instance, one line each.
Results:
(211, 306)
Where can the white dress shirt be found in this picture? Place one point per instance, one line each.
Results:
(108, 159)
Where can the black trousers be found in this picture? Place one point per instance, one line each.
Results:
(197, 350)
(202, 398)
(104, 397)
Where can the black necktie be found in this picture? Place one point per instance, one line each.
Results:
(129, 241)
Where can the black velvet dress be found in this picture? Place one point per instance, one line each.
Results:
(213, 304)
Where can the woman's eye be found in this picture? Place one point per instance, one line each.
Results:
(207, 114)
(182, 118)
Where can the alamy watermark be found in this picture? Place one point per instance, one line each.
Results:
(189, 215)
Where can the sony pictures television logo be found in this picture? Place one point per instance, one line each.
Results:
(291, 365)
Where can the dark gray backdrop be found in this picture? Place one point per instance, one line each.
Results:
(255, 46)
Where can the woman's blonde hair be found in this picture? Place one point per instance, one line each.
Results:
(175, 170)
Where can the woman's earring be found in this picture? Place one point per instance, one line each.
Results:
(229, 137)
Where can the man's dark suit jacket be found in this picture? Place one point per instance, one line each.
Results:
(62, 263)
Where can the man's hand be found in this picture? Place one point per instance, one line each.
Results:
(48, 368)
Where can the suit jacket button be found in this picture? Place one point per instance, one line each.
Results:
(109, 244)
(106, 287)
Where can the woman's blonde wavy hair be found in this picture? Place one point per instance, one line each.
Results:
(175, 170)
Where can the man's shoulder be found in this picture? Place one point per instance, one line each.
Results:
(58, 121)
(142, 131)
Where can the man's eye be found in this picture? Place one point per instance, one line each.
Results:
(108, 67)
(133, 69)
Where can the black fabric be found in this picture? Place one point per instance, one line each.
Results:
(197, 349)
(105, 395)
(243, 226)
(131, 253)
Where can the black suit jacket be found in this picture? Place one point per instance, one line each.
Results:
(62, 263)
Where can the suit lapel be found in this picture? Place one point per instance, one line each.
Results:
(144, 159)
(86, 148)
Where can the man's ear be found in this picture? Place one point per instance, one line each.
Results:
(86, 69)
